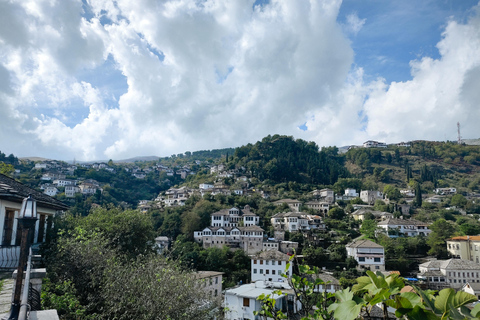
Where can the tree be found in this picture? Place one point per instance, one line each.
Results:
(458, 200)
(6, 169)
(391, 192)
(418, 195)
(441, 230)
(336, 213)
(369, 228)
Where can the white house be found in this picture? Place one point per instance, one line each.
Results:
(241, 301)
(368, 254)
(374, 144)
(464, 247)
(205, 186)
(349, 192)
(71, 190)
(452, 273)
(320, 206)
(290, 221)
(249, 239)
(12, 194)
(51, 191)
(234, 217)
(269, 266)
(402, 227)
(445, 191)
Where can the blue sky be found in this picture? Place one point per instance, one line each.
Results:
(97, 79)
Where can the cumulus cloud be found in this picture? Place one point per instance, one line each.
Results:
(210, 75)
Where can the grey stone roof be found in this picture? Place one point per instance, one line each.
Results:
(287, 201)
(452, 264)
(288, 214)
(272, 255)
(250, 228)
(402, 222)
(363, 243)
(326, 278)
(15, 191)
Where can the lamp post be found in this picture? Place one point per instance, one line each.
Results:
(26, 220)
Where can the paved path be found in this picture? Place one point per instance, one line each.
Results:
(6, 293)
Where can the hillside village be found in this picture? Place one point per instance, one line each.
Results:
(410, 209)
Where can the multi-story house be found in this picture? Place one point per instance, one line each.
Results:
(249, 239)
(445, 191)
(51, 191)
(368, 254)
(320, 206)
(233, 217)
(374, 144)
(370, 196)
(290, 221)
(211, 283)
(233, 228)
(464, 247)
(288, 247)
(270, 265)
(451, 273)
(71, 190)
(326, 195)
(400, 227)
(177, 197)
(292, 204)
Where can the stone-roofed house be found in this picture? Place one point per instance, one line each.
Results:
(12, 194)
(402, 227)
(290, 221)
(379, 215)
(320, 206)
(451, 273)
(368, 254)
(211, 283)
(234, 217)
(370, 196)
(293, 204)
(269, 266)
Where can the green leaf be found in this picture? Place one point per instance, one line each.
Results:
(421, 314)
(444, 298)
(348, 310)
(462, 298)
(476, 310)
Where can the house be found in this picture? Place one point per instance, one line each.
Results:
(451, 273)
(205, 186)
(233, 217)
(331, 284)
(63, 182)
(464, 247)
(374, 144)
(41, 165)
(368, 254)
(163, 243)
(288, 247)
(434, 199)
(51, 191)
(321, 206)
(290, 221)
(71, 190)
(446, 191)
(402, 227)
(407, 193)
(472, 288)
(293, 204)
(327, 195)
(269, 266)
(404, 144)
(211, 283)
(352, 193)
(241, 301)
(177, 197)
(370, 196)
(88, 188)
(249, 239)
(139, 175)
(379, 215)
(12, 194)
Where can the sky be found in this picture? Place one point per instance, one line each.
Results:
(99, 79)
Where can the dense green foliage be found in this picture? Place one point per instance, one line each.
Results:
(283, 159)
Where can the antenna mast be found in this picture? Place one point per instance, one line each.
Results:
(459, 141)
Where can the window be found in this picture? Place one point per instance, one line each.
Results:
(216, 292)
(8, 227)
(41, 228)
(376, 259)
(267, 262)
(254, 271)
(246, 302)
(254, 261)
(267, 271)
(261, 271)
(279, 263)
(361, 259)
(216, 280)
(261, 261)
(377, 267)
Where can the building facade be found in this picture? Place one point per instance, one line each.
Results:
(368, 254)
(269, 266)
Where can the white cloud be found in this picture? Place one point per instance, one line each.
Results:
(354, 23)
(213, 74)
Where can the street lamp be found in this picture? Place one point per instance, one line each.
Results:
(26, 220)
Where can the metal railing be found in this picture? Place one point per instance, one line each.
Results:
(9, 256)
(24, 305)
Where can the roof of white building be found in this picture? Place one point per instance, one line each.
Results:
(452, 264)
(363, 243)
(254, 290)
(402, 222)
(272, 255)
